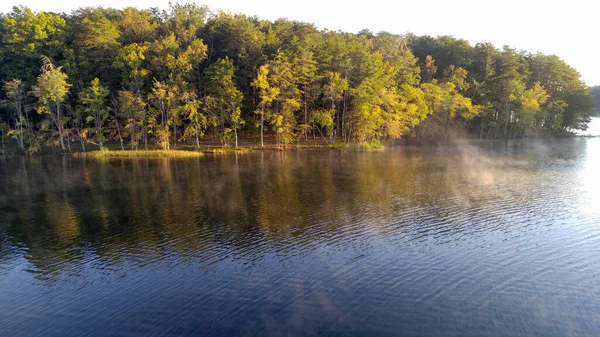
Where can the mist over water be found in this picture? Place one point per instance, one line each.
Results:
(473, 239)
(593, 128)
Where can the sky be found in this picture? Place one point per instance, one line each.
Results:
(565, 28)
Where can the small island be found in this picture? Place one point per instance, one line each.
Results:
(188, 78)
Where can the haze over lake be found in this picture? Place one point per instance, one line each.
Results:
(476, 239)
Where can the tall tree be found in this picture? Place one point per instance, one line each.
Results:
(333, 90)
(266, 94)
(51, 90)
(225, 98)
(287, 102)
(130, 61)
(197, 121)
(164, 98)
(133, 109)
(305, 72)
(25, 37)
(15, 91)
(93, 102)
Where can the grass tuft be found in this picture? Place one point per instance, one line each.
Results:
(105, 153)
(371, 146)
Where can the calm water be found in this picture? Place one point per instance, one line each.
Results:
(484, 239)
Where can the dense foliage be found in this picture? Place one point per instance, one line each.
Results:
(142, 77)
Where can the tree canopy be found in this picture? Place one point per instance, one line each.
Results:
(168, 76)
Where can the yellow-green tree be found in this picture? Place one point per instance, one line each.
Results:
(225, 99)
(164, 99)
(333, 90)
(287, 102)
(25, 36)
(134, 110)
(93, 102)
(267, 95)
(51, 90)
(15, 92)
(130, 61)
(304, 68)
(197, 121)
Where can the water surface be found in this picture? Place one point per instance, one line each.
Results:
(480, 239)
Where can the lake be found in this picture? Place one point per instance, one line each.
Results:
(470, 239)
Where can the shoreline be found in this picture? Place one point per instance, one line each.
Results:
(187, 150)
(190, 152)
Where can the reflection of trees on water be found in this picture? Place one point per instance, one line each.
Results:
(63, 211)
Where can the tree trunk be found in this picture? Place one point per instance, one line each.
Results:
(98, 134)
(62, 143)
(224, 142)
(174, 136)
(333, 125)
(145, 137)
(20, 138)
(19, 123)
(322, 135)
(481, 129)
(305, 117)
(344, 133)
(197, 141)
(118, 132)
(338, 126)
(236, 140)
(262, 125)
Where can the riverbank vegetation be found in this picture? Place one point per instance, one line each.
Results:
(146, 77)
(104, 153)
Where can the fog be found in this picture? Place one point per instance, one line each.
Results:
(593, 128)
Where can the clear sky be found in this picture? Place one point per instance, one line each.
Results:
(566, 28)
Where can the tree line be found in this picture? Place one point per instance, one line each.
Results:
(149, 77)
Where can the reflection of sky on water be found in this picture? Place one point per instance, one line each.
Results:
(589, 180)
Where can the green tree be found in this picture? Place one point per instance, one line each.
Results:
(305, 72)
(95, 44)
(130, 61)
(137, 26)
(172, 60)
(429, 69)
(25, 37)
(225, 98)
(447, 107)
(164, 99)
(197, 121)
(333, 90)
(93, 102)
(266, 94)
(15, 92)
(134, 110)
(287, 102)
(51, 90)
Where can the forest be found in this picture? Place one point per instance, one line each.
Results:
(150, 78)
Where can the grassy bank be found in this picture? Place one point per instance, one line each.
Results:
(186, 150)
(139, 154)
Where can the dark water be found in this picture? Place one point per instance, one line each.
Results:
(488, 239)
